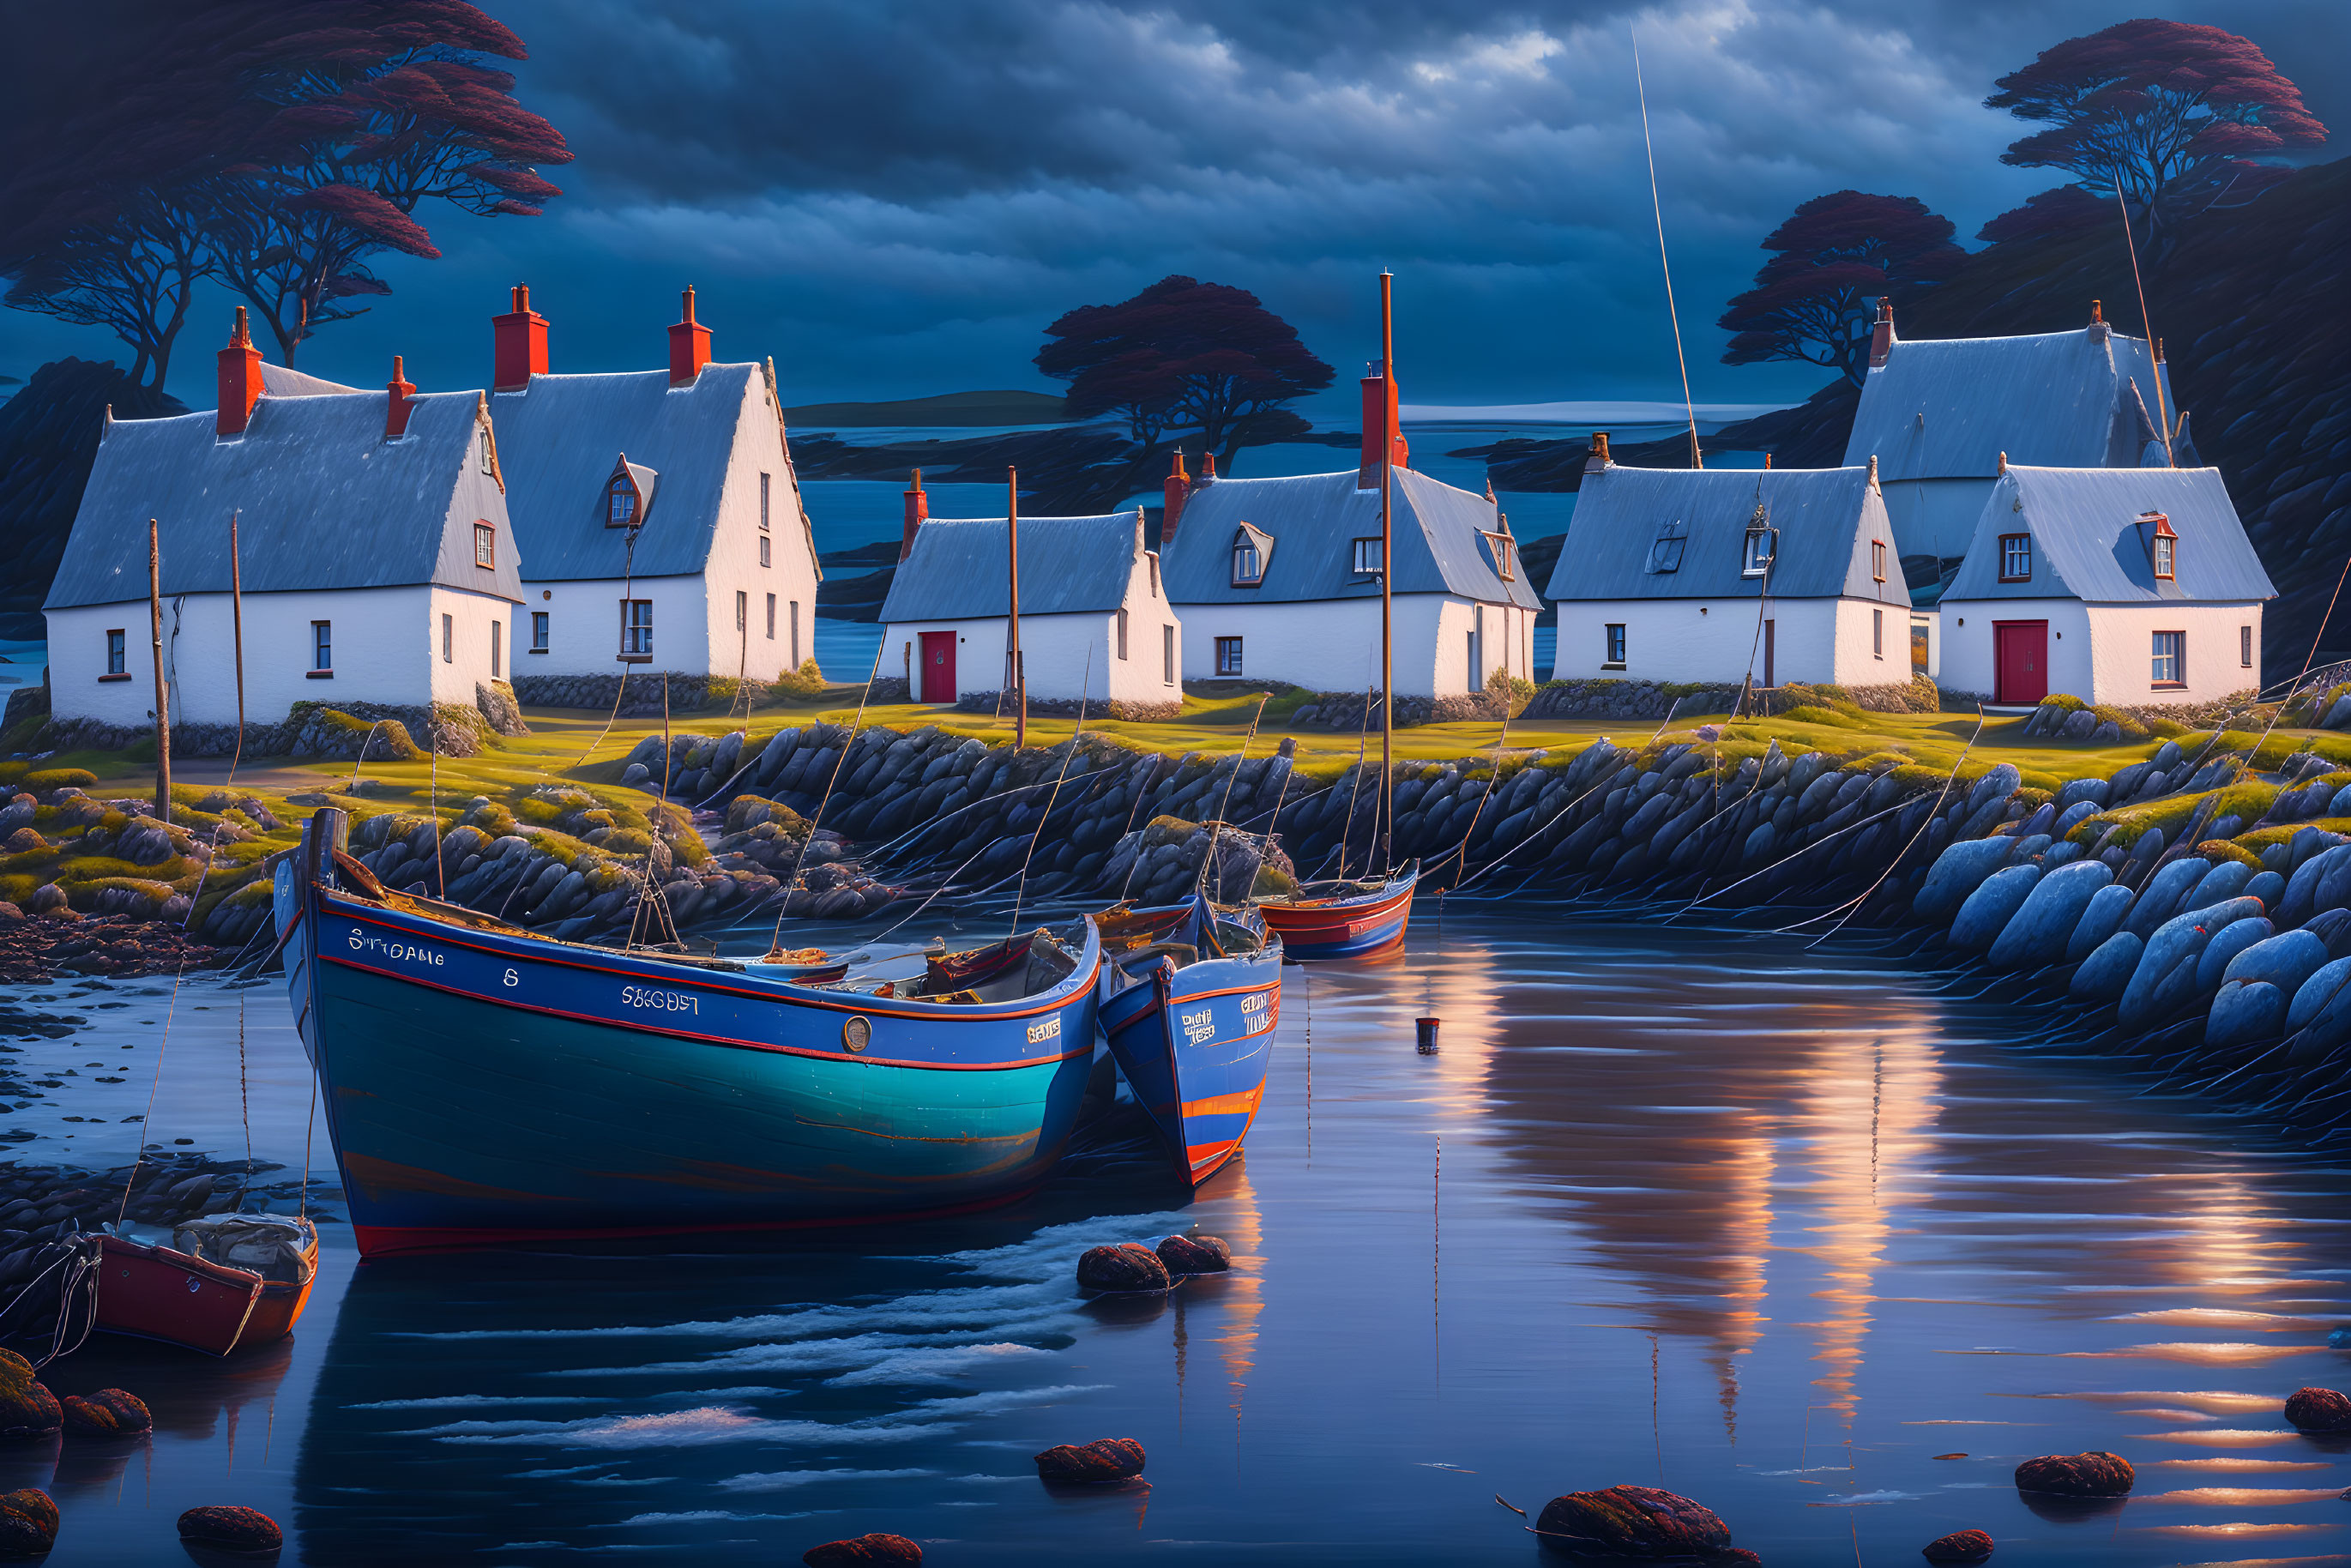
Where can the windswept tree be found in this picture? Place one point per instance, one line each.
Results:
(2054, 214)
(1185, 355)
(273, 147)
(2168, 113)
(1832, 260)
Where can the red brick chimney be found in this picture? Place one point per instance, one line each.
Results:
(519, 344)
(1881, 342)
(396, 407)
(1207, 470)
(1377, 401)
(1175, 490)
(689, 346)
(918, 512)
(1598, 458)
(240, 380)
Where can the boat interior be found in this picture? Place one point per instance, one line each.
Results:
(1188, 933)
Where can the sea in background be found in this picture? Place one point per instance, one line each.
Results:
(1820, 1237)
(847, 513)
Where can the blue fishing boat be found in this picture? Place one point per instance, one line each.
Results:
(483, 1085)
(1344, 919)
(1194, 991)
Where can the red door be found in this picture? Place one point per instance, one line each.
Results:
(2021, 662)
(938, 667)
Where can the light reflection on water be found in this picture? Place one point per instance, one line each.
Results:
(1784, 1231)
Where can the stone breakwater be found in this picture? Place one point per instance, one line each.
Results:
(686, 693)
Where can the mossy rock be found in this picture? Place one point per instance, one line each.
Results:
(2033, 799)
(1806, 713)
(2219, 850)
(2063, 701)
(48, 779)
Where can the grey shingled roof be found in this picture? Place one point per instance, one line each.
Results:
(1826, 518)
(559, 440)
(960, 569)
(326, 502)
(2088, 543)
(1946, 408)
(283, 380)
(1314, 518)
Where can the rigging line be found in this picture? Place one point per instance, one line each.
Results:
(1085, 685)
(792, 882)
(432, 802)
(1657, 209)
(1363, 739)
(1940, 795)
(1461, 866)
(1227, 799)
(2155, 365)
(309, 1125)
(1150, 780)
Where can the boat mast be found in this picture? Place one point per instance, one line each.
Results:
(162, 693)
(1387, 573)
(1012, 672)
(236, 637)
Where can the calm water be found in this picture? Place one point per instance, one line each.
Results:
(1782, 1231)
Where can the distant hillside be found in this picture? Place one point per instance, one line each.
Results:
(964, 408)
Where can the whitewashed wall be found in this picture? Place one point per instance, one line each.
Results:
(1065, 655)
(584, 626)
(2104, 653)
(734, 566)
(1717, 641)
(386, 649)
(1333, 645)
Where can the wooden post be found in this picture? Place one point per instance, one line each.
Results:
(1387, 574)
(1013, 672)
(163, 693)
(236, 637)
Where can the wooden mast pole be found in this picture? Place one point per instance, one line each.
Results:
(236, 636)
(163, 693)
(1388, 571)
(1013, 672)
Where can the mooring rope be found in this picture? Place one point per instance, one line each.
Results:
(784, 903)
(1085, 685)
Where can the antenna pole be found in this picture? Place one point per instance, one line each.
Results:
(163, 693)
(1013, 673)
(1387, 569)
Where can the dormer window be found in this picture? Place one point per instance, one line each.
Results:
(2016, 558)
(1756, 560)
(1367, 561)
(1665, 549)
(1252, 547)
(2162, 547)
(620, 503)
(1504, 551)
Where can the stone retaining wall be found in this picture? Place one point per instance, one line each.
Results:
(688, 693)
(1069, 708)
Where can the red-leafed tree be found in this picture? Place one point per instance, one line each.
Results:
(273, 147)
(1186, 355)
(2054, 214)
(1834, 259)
(2169, 113)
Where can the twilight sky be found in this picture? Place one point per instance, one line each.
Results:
(893, 198)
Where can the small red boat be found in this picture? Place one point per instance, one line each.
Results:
(1344, 919)
(233, 1281)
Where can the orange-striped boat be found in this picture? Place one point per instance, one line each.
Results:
(1343, 919)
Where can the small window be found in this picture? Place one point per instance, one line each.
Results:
(1152, 557)
(448, 638)
(116, 644)
(1505, 563)
(539, 630)
(1228, 655)
(1877, 560)
(498, 648)
(1167, 655)
(771, 618)
(485, 545)
(620, 503)
(1121, 635)
(763, 506)
(1367, 558)
(796, 634)
(2170, 659)
(1248, 566)
(637, 629)
(2162, 547)
(1614, 656)
(1665, 549)
(763, 550)
(2245, 646)
(1756, 559)
(322, 646)
(1877, 631)
(489, 462)
(2016, 558)
(742, 610)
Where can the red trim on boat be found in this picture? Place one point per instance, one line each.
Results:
(633, 1028)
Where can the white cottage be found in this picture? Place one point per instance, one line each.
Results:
(377, 562)
(1938, 413)
(1678, 574)
(2129, 586)
(1279, 578)
(658, 512)
(1094, 618)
